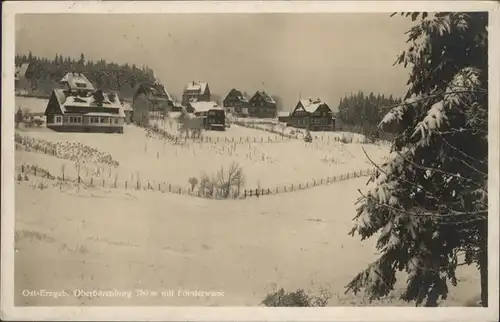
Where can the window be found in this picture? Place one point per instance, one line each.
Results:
(116, 121)
(75, 119)
(94, 119)
(58, 119)
(104, 120)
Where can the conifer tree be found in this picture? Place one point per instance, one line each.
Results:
(428, 203)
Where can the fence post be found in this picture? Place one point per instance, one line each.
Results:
(103, 182)
(245, 194)
(169, 188)
(125, 184)
(91, 181)
(35, 173)
(137, 184)
(268, 191)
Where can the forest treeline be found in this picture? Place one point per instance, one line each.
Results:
(44, 74)
(362, 113)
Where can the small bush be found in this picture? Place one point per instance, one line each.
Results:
(299, 298)
(193, 181)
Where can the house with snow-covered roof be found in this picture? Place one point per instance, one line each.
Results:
(262, 105)
(236, 102)
(196, 90)
(150, 98)
(314, 115)
(214, 116)
(77, 82)
(81, 108)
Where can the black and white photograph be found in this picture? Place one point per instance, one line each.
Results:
(267, 156)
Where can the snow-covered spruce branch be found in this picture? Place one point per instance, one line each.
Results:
(395, 113)
(453, 212)
(419, 187)
(430, 214)
(460, 151)
(442, 172)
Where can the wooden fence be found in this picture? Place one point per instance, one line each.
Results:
(25, 172)
(257, 192)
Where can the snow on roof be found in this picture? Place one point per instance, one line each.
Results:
(199, 87)
(239, 95)
(77, 81)
(159, 90)
(283, 113)
(65, 99)
(266, 96)
(21, 70)
(205, 106)
(127, 106)
(311, 105)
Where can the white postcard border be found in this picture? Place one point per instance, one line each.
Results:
(9, 312)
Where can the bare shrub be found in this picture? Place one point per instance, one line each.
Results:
(224, 184)
(229, 183)
(207, 186)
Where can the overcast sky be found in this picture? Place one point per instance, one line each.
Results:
(315, 55)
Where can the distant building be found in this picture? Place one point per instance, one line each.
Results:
(80, 108)
(214, 116)
(21, 81)
(283, 117)
(236, 102)
(262, 105)
(314, 115)
(129, 111)
(77, 82)
(197, 91)
(177, 107)
(150, 98)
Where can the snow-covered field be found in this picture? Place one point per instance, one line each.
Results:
(117, 240)
(265, 164)
(125, 240)
(32, 104)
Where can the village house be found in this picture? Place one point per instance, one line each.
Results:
(236, 102)
(79, 107)
(198, 91)
(213, 115)
(314, 115)
(151, 99)
(262, 105)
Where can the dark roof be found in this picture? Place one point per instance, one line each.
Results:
(238, 94)
(265, 96)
